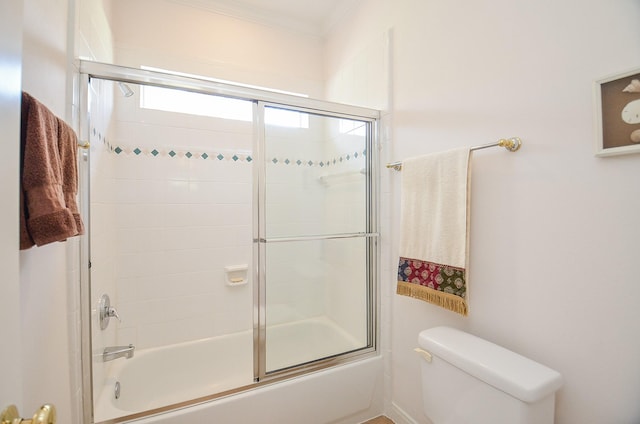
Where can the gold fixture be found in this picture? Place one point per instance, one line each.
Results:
(84, 145)
(45, 415)
(512, 144)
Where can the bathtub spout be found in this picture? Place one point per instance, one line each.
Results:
(114, 352)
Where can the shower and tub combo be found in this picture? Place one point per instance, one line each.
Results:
(232, 252)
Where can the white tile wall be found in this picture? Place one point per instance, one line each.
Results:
(170, 224)
(167, 226)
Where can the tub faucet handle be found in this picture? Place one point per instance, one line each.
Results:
(111, 312)
(106, 311)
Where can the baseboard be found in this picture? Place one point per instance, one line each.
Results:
(398, 416)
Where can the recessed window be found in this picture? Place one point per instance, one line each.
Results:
(170, 100)
(179, 101)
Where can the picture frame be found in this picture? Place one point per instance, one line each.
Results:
(618, 114)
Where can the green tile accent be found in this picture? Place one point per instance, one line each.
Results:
(236, 157)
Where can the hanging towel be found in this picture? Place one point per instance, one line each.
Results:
(434, 229)
(68, 148)
(44, 215)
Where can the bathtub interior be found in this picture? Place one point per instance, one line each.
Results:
(172, 204)
(162, 376)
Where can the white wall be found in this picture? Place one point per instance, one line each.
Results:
(554, 229)
(10, 97)
(203, 42)
(46, 273)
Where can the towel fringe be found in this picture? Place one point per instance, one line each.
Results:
(445, 300)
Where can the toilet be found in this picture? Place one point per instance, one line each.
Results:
(468, 380)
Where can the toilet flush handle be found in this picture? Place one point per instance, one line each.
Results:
(426, 355)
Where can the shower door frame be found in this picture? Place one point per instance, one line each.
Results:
(261, 240)
(260, 99)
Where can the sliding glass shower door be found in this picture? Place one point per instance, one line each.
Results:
(315, 236)
(232, 239)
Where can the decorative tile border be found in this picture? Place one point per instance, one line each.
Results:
(330, 162)
(180, 153)
(228, 156)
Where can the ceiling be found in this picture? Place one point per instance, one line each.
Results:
(313, 17)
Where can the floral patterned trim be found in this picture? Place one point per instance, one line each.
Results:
(444, 278)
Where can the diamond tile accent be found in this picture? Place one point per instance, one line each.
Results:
(236, 157)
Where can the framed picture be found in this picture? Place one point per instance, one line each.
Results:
(618, 114)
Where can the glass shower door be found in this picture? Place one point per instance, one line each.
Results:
(316, 238)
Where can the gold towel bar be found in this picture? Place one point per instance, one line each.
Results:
(84, 145)
(512, 144)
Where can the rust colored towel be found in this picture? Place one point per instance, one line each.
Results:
(68, 149)
(44, 215)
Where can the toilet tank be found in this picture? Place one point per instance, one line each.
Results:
(468, 380)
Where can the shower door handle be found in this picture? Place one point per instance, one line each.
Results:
(45, 415)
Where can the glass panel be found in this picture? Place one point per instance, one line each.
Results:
(171, 244)
(316, 300)
(315, 175)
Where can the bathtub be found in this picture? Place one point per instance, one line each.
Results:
(180, 373)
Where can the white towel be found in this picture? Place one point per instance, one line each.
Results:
(434, 229)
